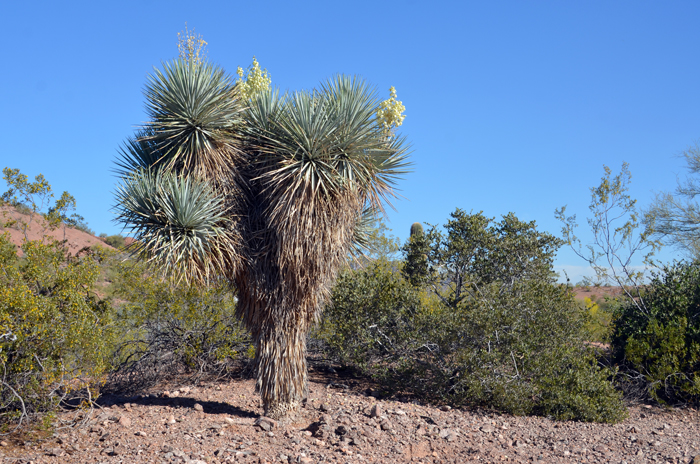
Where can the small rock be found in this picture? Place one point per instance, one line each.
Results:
(140, 433)
(324, 407)
(265, 423)
(4, 443)
(58, 452)
(445, 408)
(696, 460)
(385, 425)
(341, 430)
(124, 421)
(376, 411)
(198, 407)
(449, 435)
(486, 429)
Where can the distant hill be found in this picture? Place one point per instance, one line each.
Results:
(75, 239)
(599, 292)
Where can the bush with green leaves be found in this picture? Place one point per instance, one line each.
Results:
(54, 336)
(490, 327)
(115, 241)
(657, 338)
(171, 328)
(370, 319)
(24, 202)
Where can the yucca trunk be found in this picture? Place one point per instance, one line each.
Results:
(281, 363)
(283, 286)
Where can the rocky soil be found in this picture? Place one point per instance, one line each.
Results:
(343, 422)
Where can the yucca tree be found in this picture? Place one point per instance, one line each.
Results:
(268, 194)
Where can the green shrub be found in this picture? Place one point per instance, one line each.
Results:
(170, 328)
(490, 328)
(658, 338)
(54, 340)
(370, 316)
(115, 241)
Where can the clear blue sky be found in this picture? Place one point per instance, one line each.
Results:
(511, 105)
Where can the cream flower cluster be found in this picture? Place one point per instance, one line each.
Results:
(389, 112)
(253, 80)
(192, 47)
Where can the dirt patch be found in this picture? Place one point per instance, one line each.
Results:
(343, 422)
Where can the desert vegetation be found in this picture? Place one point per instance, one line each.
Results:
(467, 314)
(257, 219)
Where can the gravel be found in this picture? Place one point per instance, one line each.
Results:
(220, 423)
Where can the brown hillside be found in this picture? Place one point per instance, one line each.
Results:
(599, 292)
(38, 228)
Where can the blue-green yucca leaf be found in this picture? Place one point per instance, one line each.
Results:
(194, 109)
(136, 154)
(179, 223)
(263, 108)
(361, 233)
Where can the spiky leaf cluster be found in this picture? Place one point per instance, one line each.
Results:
(179, 222)
(325, 144)
(193, 111)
